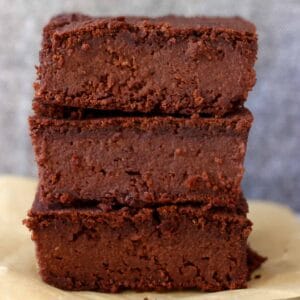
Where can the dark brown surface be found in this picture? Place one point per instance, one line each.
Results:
(142, 161)
(167, 65)
(254, 262)
(164, 248)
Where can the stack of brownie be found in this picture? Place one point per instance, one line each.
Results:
(140, 135)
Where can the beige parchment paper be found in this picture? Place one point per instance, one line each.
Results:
(276, 234)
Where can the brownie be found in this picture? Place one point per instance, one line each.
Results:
(168, 64)
(142, 161)
(162, 248)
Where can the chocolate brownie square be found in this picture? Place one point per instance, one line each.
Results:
(162, 248)
(142, 161)
(163, 65)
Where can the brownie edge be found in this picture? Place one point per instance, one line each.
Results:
(148, 249)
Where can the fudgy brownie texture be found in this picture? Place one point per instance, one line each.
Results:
(168, 64)
(142, 161)
(162, 248)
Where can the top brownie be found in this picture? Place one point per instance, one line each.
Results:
(171, 65)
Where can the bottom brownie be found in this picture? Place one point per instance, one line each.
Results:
(165, 248)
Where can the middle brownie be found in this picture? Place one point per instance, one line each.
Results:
(142, 161)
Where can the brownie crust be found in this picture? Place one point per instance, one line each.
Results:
(142, 161)
(162, 248)
(166, 65)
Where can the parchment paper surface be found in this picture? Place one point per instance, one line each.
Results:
(276, 234)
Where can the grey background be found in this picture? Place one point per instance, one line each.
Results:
(273, 168)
